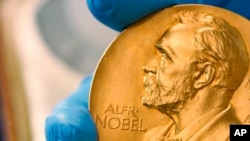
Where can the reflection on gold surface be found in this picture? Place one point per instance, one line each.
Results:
(194, 67)
(200, 62)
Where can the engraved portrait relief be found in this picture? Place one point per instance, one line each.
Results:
(201, 61)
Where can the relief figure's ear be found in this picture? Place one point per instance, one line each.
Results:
(205, 76)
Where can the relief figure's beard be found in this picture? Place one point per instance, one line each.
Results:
(169, 98)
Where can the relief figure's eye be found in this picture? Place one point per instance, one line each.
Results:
(164, 60)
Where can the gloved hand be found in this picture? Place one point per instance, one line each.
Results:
(118, 14)
(70, 120)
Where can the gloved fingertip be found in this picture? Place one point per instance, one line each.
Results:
(49, 128)
(87, 79)
(100, 5)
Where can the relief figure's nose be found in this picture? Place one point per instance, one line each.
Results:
(152, 65)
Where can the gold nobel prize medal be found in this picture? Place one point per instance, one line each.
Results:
(179, 74)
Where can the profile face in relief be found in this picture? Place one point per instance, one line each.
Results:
(201, 61)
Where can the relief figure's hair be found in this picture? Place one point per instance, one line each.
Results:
(221, 44)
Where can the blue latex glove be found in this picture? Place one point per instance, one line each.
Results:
(118, 14)
(70, 120)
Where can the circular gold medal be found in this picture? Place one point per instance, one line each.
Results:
(178, 74)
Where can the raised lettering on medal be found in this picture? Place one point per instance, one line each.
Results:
(181, 73)
(120, 117)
